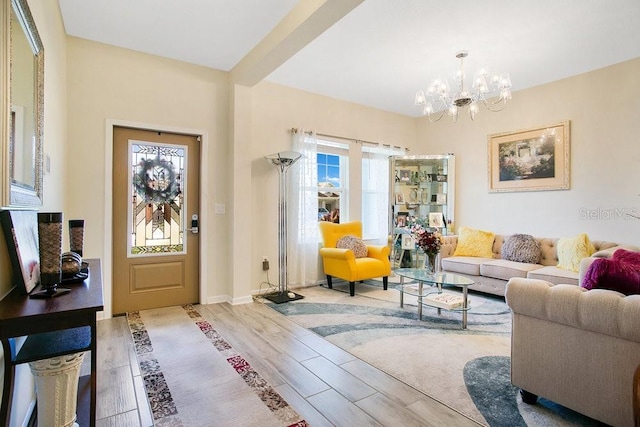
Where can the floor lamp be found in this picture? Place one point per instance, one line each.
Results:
(283, 161)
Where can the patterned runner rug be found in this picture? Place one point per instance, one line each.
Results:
(468, 370)
(193, 377)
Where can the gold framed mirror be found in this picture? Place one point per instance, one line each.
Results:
(22, 106)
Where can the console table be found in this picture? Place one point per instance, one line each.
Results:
(53, 327)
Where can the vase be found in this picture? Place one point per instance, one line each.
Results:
(50, 250)
(430, 262)
(76, 235)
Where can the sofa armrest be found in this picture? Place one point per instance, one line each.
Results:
(584, 266)
(598, 310)
(448, 246)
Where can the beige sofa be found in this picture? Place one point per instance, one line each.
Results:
(575, 347)
(491, 274)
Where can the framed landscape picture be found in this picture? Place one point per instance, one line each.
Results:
(530, 160)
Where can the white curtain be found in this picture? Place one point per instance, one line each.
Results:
(375, 200)
(303, 236)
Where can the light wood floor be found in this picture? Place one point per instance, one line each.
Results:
(324, 384)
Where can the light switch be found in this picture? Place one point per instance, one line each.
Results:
(220, 208)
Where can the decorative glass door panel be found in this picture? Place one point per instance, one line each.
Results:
(157, 189)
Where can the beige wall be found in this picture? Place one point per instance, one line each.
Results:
(603, 107)
(113, 84)
(88, 85)
(101, 83)
(51, 30)
(277, 109)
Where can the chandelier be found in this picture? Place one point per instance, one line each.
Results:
(439, 98)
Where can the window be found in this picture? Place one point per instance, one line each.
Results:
(332, 161)
(375, 193)
(335, 163)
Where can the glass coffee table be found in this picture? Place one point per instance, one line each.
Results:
(439, 280)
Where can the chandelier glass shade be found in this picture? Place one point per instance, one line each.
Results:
(491, 90)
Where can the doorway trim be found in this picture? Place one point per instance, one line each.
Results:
(107, 261)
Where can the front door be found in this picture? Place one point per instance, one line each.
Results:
(156, 188)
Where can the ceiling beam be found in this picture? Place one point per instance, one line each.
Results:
(306, 21)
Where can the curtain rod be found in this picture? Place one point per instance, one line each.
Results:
(295, 130)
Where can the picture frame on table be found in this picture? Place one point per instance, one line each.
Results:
(20, 228)
(400, 199)
(536, 159)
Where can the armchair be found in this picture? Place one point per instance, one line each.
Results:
(343, 264)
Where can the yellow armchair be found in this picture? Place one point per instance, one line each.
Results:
(343, 264)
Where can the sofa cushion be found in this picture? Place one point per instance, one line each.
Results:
(354, 243)
(571, 250)
(554, 275)
(474, 243)
(505, 269)
(621, 274)
(463, 264)
(521, 248)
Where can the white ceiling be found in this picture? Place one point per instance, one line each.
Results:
(383, 50)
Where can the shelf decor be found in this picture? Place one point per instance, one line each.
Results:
(76, 235)
(430, 188)
(50, 249)
(534, 159)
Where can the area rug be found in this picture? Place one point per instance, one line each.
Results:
(208, 384)
(467, 370)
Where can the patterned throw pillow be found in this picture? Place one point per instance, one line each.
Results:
(571, 250)
(521, 248)
(354, 243)
(475, 243)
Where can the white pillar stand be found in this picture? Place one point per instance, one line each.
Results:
(57, 389)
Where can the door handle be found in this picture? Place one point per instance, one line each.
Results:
(194, 224)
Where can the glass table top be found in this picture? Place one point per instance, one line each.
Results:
(443, 278)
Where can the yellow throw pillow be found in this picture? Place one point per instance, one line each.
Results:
(473, 242)
(571, 250)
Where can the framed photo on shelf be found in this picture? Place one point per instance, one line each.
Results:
(441, 199)
(436, 219)
(401, 219)
(534, 159)
(405, 175)
(408, 242)
(400, 199)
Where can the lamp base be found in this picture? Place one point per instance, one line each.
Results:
(50, 292)
(281, 297)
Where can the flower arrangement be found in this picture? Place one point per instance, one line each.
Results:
(429, 241)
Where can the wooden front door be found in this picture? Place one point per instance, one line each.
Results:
(156, 191)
